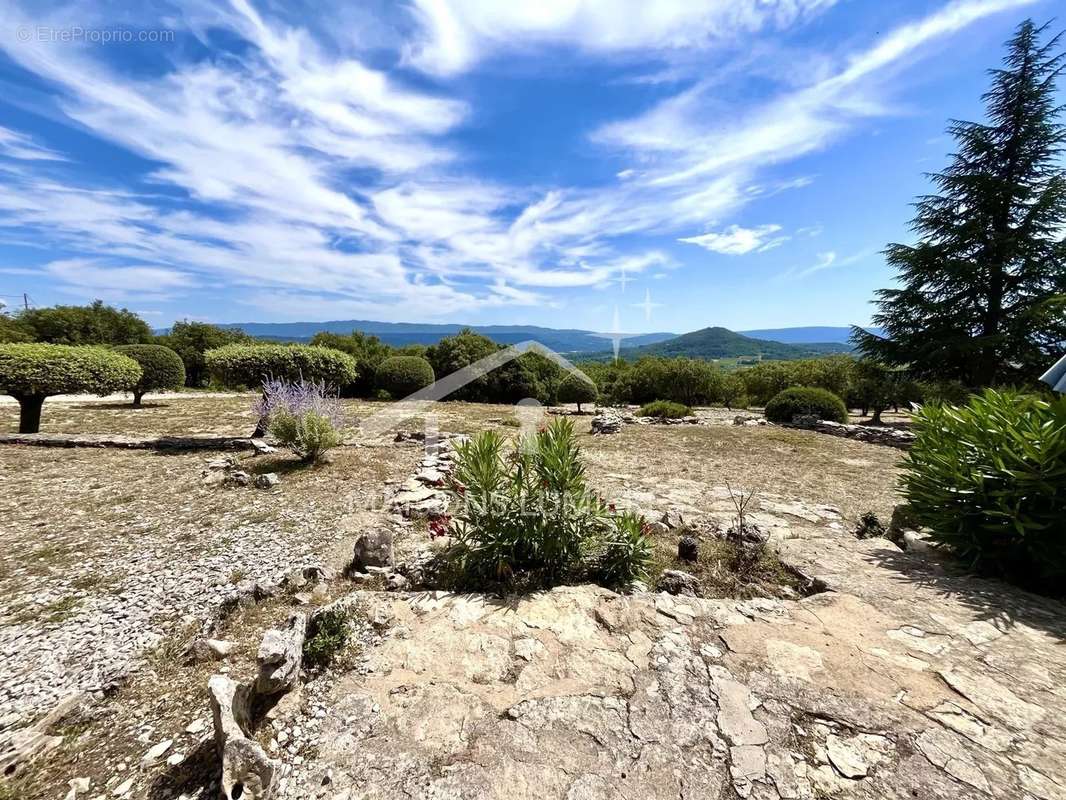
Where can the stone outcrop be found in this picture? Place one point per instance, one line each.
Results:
(874, 434)
(280, 655)
(247, 772)
(938, 686)
(373, 549)
(607, 421)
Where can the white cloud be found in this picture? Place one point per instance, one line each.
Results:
(16, 145)
(737, 241)
(458, 33)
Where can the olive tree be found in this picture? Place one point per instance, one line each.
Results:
(161, 368)
(250, 365)
(32, 372)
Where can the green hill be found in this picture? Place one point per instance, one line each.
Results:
(712, 343)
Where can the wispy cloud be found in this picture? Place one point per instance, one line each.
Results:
(456, 34)
(22, 147)
(737, 241)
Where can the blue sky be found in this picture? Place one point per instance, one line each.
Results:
(728, 162)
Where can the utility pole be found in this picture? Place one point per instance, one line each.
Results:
(25, 302)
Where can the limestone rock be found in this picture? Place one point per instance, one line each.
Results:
(262, 448)
(688, 549)
(210, 649)
(675, 581)
(267, 480)
(373, 549)
(247, 772)
(280, 655)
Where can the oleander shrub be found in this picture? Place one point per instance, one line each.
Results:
(988, 479)
(404, 375)
(161, 368)
(665, 409)
(806, 401)
(302, 416)
(250, 365)
(575, 388)
(32, 372)
(528, 518)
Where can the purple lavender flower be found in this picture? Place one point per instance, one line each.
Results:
(298, 398)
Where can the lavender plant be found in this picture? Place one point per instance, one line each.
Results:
(303, 416)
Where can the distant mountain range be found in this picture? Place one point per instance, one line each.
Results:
(566, 340)
(812, 334)
(711, 343)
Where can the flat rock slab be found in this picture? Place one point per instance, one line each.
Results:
(129, 442)
(582, 693)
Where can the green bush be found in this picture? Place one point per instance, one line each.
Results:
(249, 365)
(368, 352)
(806, 401)
(161, 368)
(532, 519)
(85, 325)
(191, 340)
(404, 375)
(665, 409)
(309, 435)
(328, 635)
(989, 480)
(575, 389)
(32, 372)
(303, 416)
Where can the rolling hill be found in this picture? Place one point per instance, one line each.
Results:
(819, 334)
(711, 343)
(567, 340)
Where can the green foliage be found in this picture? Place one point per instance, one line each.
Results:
(368, 352)
(532, 519)
(529, 375)
(404, 375)
(982, 297)
(625, 554)
(190, 340)
(733, 392)
(161, 368)
(762, 381)
(876, 387)
(329, 634)
(308, 434)
(47, 369)
(665, 409)
(575, 389)
(31, 372)
(250, 365)
(989, 480)
(13, 331)
(806, 401)
(85, 325)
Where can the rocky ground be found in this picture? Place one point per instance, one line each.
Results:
(905, 679)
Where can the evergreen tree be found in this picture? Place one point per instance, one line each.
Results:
(983, 296)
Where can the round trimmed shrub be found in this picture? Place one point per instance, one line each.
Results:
(161, 368)
(989, 481)
(249, 365)
(575, 389)
(32, 372)
(806, 401)
(404, 375)
(665, 409)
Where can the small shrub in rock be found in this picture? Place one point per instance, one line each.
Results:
(328, 636)
(869, 527)
(530, 518)
(404, 375)
(161, 368)
(989, 481)
(665, 409)
(302, 417)
(802, 401)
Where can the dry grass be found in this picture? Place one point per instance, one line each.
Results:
(801, 465)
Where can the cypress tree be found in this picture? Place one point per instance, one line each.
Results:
(983, 292)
